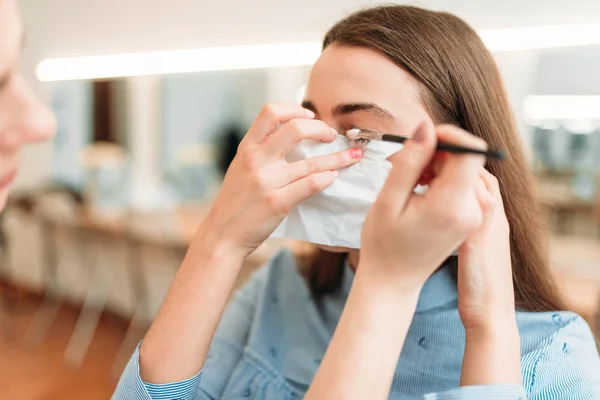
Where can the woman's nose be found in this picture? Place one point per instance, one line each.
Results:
(25, 118)
(39, 122)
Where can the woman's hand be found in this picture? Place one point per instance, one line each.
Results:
(258, 190)
(260, 187)
(485, 282)
(406, 235)
(486, 301)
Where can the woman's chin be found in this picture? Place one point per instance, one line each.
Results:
(335, 249)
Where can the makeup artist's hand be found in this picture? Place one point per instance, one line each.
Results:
(260, 187)
(407, 236)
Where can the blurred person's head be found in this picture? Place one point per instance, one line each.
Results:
(23, 118)
(388, 68)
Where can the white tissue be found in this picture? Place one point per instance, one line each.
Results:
(335, 216)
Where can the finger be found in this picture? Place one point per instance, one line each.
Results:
(433, 169)
(294, 131)
(427, 176)
(291, 194)
(459, 171)
(331, 162)
(271, 116)
(491, 183)
(438, 162)
(486, 200)
(407, 166)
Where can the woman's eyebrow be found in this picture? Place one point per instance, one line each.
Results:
(372, 108)
(309, 105)
(349, 108)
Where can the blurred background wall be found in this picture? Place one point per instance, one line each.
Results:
(70, 27)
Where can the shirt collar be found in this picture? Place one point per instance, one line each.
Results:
(439, 290)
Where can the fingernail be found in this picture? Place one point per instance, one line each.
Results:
(309, 113)
(356, 152)
(421, 133)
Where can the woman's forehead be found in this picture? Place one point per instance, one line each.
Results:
(353, 74)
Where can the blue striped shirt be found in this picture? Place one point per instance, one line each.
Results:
(273, 334)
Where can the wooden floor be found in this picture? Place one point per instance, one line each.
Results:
(41, 374)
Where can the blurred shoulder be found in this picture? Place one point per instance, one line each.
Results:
(539, 325)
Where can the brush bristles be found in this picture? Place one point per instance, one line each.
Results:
(352, 134)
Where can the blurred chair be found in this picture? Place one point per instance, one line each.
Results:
(11, 297)
(5, 300)
(56, 207)
(138, 234)
(99, 282)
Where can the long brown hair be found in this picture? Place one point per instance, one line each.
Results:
(460, 85)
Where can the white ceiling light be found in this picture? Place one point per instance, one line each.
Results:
(541, 37)
(280, 55)
(539, 108)
(179, 61)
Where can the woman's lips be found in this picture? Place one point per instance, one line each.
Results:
(7, 179)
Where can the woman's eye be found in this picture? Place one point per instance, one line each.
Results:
(360, 142)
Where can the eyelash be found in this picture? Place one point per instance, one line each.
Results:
(358, 142)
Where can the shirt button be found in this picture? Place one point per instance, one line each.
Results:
(557, 319)
(566, 348)
(273, 352)
(422, 342)
(246, 392)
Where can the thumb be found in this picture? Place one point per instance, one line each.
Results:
(408, 164)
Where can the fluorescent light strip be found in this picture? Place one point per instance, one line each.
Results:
(178, 61)
(540, 108)
(541, 37)
(280, 55)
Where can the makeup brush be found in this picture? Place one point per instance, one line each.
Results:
(356, 134)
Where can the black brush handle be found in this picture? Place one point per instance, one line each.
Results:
(450, 148)
(393, 138)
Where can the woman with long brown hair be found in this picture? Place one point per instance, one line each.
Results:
(401, 317)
